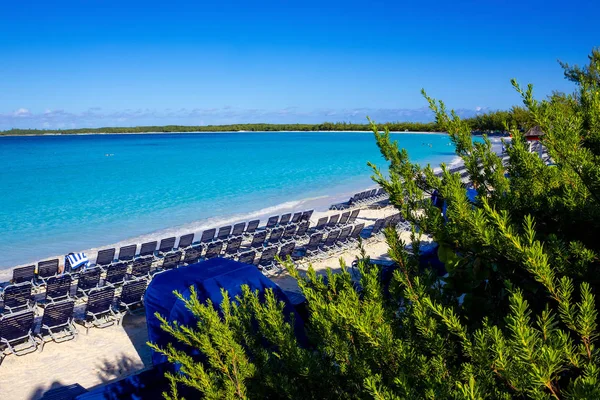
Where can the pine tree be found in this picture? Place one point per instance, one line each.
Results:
(515, 317)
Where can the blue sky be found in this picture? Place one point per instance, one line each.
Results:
(104, 63)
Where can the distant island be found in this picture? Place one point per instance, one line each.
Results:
(260, 127)
(490, 123)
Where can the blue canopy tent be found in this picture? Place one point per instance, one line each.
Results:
(207, 277)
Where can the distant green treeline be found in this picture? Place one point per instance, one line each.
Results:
(492, 122)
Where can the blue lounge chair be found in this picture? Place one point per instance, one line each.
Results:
(99, 310)
(17, 297)
(140, 269)
(132, 296)
(16, 334)
(57, 323)
(266, 263)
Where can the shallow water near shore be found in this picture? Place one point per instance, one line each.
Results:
(67, 193)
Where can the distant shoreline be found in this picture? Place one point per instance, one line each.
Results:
(171, 133)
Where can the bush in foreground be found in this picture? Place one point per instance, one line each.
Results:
(515, 317)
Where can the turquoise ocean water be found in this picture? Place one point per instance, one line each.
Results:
(70, 193)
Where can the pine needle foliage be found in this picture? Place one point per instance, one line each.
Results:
(515, 317)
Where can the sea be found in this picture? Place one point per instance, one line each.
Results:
(64, 193)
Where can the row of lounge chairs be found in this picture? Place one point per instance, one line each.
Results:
(365, 198)
(24, 331)
(42, 305)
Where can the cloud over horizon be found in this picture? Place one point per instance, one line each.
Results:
(95, 117)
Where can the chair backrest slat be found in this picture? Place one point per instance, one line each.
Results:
(213, 250)
(127, 252)
(148, 248)
(47, 268)
(115, 273)
(233, 245)
(167, 244)
(172, 260)
(192, 255)
(258, 239)
(306, 215)
(252, 225)
(344, 218)
(224, 232)
(238, 229)
(247, 258)
(296, 217)
(272, 221)
(105, 256)
(186, 241)
(133, 292)
(58, 314)
(208, 235)
(24, 274)
(100, 300)
(285, 219)
(18, 295)
(89, 278)
(58, 287)
(321, 223)
(16, 325)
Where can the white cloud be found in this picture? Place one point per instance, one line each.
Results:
(22, 112)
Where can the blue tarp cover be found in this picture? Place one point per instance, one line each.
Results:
(208, 277)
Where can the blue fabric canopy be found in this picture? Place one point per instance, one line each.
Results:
(207, 277)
